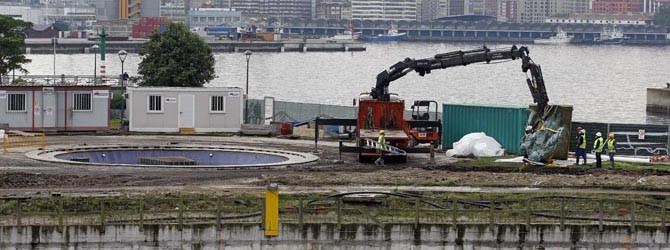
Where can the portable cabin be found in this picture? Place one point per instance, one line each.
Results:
(55, 108)
(179, 109)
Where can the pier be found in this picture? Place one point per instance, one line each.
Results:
(76, 46)
(658, 100)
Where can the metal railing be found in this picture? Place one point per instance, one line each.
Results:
(373, 208)
(17, 139)
(34, 80)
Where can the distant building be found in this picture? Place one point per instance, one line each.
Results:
(386, 10)
(434, 9)
(617, 6)
(468, 18)
(536, 11)
(173, 12)
(271, 8)
(605, 19)
(574, 6)
(42, 31)
(330, 9)
(507, 11)
(481, 7)
(209, 17)
(456, 7)
(25, 13)
(652, 6)
(77, 17)
(126, 9)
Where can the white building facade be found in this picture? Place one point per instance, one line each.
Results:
(385, 10)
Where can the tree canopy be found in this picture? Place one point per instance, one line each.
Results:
(12, 41)
(662, 17)
(176, 58)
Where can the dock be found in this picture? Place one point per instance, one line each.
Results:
(658, 100)
(78, 46)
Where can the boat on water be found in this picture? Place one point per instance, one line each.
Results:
(561, 37)
(391, 36)
(347, 35)
(610, 35)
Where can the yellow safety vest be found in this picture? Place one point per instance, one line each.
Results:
(381, 141)
(600, 144)
(610, 146)
(583, 145)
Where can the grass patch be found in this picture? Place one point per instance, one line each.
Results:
(115, 123)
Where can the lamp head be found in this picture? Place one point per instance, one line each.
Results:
(122, 55)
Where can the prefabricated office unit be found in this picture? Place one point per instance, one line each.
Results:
(169, 109)
(55, 108)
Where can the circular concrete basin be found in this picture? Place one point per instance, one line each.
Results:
(173, 156)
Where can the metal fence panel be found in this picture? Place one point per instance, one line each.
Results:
(655, 142)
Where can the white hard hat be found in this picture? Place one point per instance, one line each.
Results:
(599, 134)
(529, 128)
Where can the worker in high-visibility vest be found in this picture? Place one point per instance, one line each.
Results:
(381, 141)
(611, 148)
(581, 144)
(598, 146)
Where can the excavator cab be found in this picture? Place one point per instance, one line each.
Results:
(421, 111)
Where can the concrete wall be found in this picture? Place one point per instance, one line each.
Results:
(141, 120)
(658, 100)
(326, 236)
(52, 108)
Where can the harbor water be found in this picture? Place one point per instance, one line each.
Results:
(603, 83)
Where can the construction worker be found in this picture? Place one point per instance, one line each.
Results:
(598, 146)
(611, 148)
(581, 144)
(381, 141)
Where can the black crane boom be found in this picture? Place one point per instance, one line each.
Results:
(462, 58)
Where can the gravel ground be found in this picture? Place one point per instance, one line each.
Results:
(19, 174)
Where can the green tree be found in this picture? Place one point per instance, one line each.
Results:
(662, 17)
(12, 41)
(176, 58)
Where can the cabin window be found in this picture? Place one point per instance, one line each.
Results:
(155, 103)
(82, 102)
(16, 102)
(217, 104)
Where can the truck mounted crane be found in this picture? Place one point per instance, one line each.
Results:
(381, 110)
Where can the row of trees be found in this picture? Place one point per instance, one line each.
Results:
(176, 57)
(12, 41)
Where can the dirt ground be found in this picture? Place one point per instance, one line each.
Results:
(20, 175)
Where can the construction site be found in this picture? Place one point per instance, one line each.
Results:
(280, 175)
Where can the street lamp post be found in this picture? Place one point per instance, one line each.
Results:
(95, 48)
(247, 54)
(122, 56)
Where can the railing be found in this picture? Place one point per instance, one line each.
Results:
(17, 139)
(372, 208)
(61, 79)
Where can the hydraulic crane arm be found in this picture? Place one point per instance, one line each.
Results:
(463, 58)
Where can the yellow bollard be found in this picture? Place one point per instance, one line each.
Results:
(272, 210)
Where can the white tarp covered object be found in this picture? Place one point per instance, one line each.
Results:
(476, 144)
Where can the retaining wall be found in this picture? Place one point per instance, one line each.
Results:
(320, 236)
